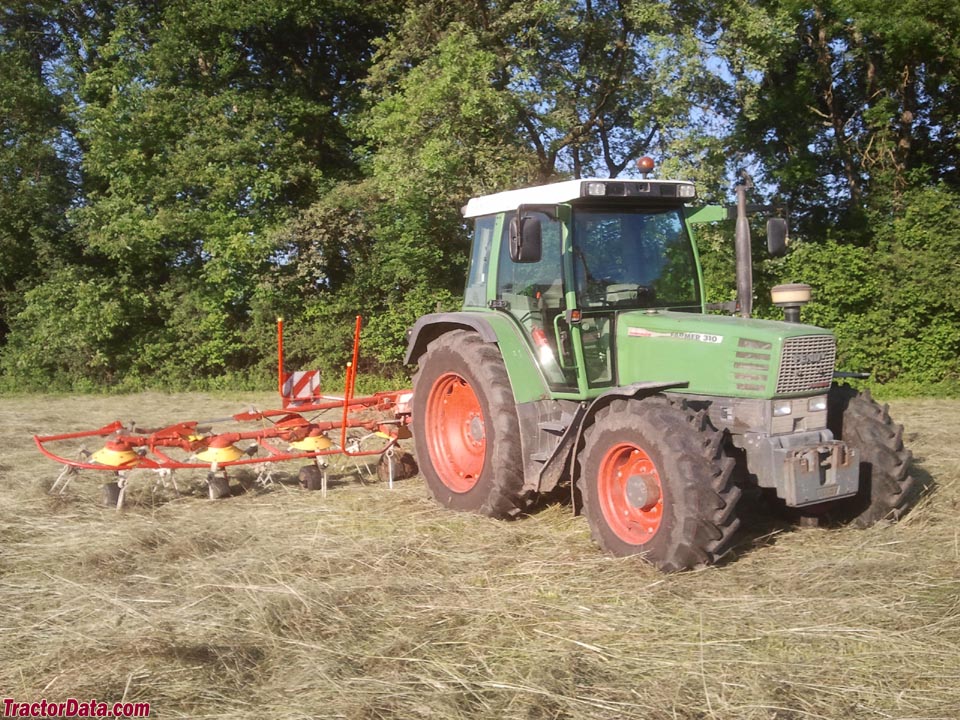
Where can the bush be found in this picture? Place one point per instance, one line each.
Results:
(77, 330)
(894, 303)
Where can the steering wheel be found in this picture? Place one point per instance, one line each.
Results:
(629, 294)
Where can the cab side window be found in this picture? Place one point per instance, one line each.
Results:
(475, 294)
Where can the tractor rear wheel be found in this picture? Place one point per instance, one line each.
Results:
(654, 480)
(465, 427)
(887, 490)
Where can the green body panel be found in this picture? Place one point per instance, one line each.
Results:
(707, 214)
(522, 369)
(718, 355)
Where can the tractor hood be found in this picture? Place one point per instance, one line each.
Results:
(724, 356)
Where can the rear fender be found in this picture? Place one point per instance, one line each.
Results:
(429, 327)
(526, 380)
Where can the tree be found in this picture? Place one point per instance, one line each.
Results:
(857, 102)
(470, 98)
(37, 185)
(200, 129)
(593, 85)
(210, 166)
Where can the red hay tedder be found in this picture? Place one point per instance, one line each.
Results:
(364, 426)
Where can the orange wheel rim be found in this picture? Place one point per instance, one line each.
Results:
(630, 492)
(456, 436)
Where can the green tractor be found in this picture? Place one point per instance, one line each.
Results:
(584, 357)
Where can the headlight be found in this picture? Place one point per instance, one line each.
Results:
(686, 191)
(782, 407)
(817, 404)
(596, 188)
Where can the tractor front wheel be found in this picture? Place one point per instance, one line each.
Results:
(465, 427)
(887, 489)
(654, 480)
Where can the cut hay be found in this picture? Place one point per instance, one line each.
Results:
(378, 604)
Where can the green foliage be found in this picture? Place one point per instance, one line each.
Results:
(445, 126)
(919, 251)
(393, 246)
(846, 292)
(175, 175)
(388, 330)
(196, 131)
(717, 258)
(78, 329)
(36, 186)
(894, 305)
(857, 102)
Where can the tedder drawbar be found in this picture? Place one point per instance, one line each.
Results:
(360, 427)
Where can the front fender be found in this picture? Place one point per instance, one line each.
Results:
(564, 456)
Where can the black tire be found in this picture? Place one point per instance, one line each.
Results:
(404, 466)
(110, 494)
(310, 477)
(697, 513)
(487, 476)
(218, 486)
(887, 490)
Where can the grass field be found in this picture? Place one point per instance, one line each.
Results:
(374, 603)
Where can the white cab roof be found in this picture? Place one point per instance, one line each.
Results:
(553, 194)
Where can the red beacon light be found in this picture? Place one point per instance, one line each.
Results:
(645, 164)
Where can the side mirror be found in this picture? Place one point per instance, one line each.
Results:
(777, 237)
(525, 239)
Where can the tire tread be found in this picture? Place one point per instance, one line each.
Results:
(706, 484)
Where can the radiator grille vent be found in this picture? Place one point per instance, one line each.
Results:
(806, 364)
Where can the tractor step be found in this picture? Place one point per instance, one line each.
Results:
(555, 427)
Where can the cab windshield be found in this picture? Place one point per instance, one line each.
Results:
(632, 259)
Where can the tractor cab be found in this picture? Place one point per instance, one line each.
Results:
(565, 260)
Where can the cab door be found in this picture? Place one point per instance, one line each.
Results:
(535, 295)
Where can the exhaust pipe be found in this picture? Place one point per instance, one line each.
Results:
(742, 249)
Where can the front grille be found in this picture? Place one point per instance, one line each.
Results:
(806, 364)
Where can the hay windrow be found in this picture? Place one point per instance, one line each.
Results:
(378, 604)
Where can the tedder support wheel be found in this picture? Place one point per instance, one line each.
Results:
(887, 490)
(404, 466)
(110, 494)
(654, 480)
(218, 486)
(310, 477)
(465, 427)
